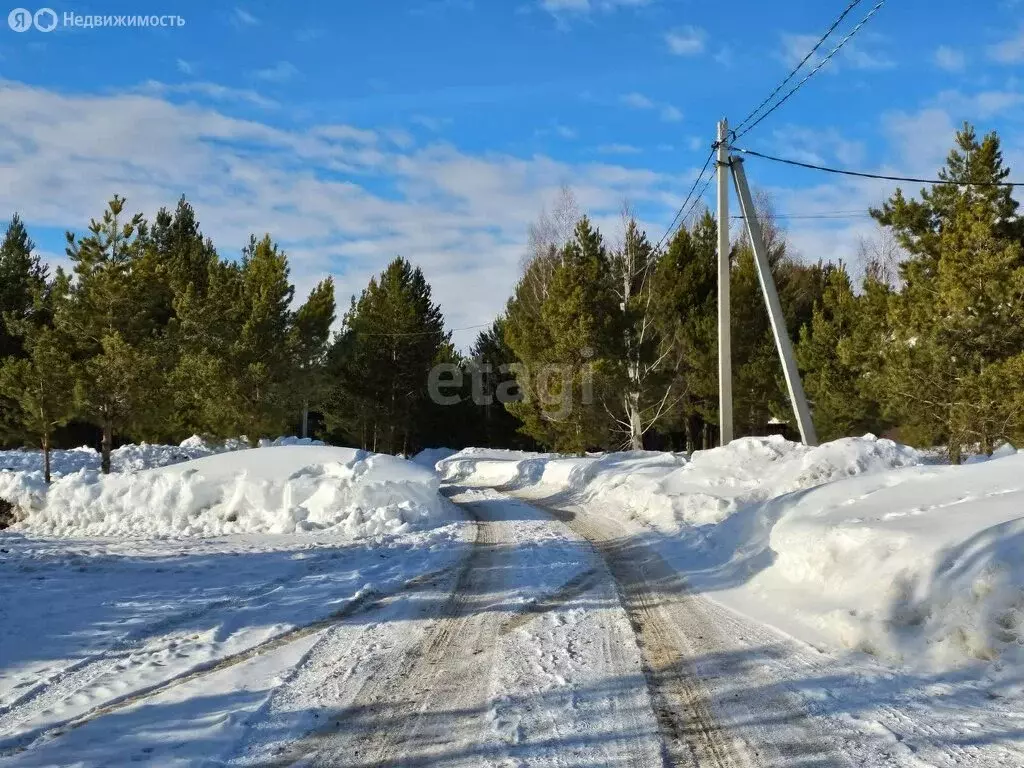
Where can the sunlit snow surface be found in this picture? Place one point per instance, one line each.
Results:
(855, 544)
(195, 614)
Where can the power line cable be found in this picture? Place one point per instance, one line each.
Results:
(699, 196)
(737, 133)
(797, 68)
(422, 333)
(882, 176)
(833, 215)
(811, 74)
(679, 213)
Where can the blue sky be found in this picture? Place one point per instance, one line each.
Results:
(439, 129)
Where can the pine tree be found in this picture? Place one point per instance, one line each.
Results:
(107, 318)
(685, 295)
(569, 371)
(311, 335)
(174, 265)
(380, 362)
(208, 327)
(41, 383)
(22, 276)
(759, 390)
(491, 385)
(960, 313)
(831, 358)
(259, 361)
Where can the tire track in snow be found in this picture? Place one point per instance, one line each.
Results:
(72, 678)
(576, 586)
(359, 604)
(673, 632)
(433, 703)
(400, 702)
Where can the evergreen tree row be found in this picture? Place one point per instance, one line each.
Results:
(155, 336)
(932, 353)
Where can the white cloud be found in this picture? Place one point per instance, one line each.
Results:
(686, 41)
(671, 114)
(557, 129)
(725, 57)
(667, 112)
(983, 104)
(949, 59)
(562, 7)
(309, 34)
(820, 146)
(794, 47)
(241, 17)
(618, 149)
(636, 101)
(435, 124)
(921, 139)
(279, 73)
(212, 91)
(1009, 51)
(312, 188)
(183, 66)
(860, 58)
(346, 134)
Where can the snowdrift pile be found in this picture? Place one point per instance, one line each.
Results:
(861, 542)
(922, 565)
(668, 490)
(429, 457)
(284, 489)
(131, 457)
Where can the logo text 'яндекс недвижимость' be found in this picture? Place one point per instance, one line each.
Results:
(47, 20)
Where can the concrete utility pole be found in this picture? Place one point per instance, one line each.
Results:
(771, 299)
(724, 332)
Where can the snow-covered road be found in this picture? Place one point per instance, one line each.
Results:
(534, 633)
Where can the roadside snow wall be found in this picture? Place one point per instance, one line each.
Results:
(856, 543)
(284, 489)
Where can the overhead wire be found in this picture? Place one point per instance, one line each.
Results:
(424, 333)
(832, 215)
(882, 176)
(679, 214)
(798, 67)
(740, 130)
(814, 71)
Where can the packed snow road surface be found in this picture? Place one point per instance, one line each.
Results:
(527, 661)
(639, 672)
(690, 654)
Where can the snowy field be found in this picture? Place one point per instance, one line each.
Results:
(296, 602)
(128, 586)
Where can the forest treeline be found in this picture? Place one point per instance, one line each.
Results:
(604, 343)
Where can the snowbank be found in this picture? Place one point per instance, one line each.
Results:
(670, 491)
(429, 457)
(281, 489)
(860, 543)
(923, 565)
(131, 457)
